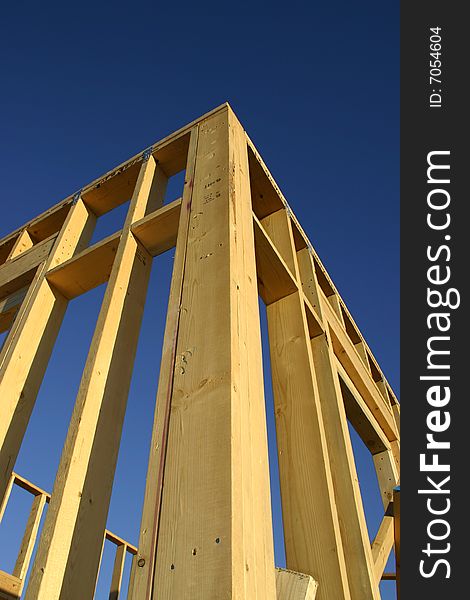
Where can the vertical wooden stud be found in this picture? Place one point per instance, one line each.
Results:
(215, 539)
(354, 534)
(387, 474)
(26, 352)
(118, 569)
(141, 580)
(361, 349)
(29, 537)
(311, 526)
(6, 496)
(66, 562)
(24, 242)
(382, 545)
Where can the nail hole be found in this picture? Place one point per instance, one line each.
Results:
(172, 567)
(217, 540)
(194, 551)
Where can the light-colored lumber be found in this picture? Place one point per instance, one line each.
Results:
(309, 280)
(25, 354)
(387, 475)
(275, 280)
(6, 496)
(276, 226)
(267, 199)
(141, 580)
(311, 526)
(396, 414)
(118, 569)
(361, 377)
(264, 192)
(29, 537)
(24, 242)
(10, 586)
(119, 541)
(345, 494)
(382, 546)
(26, 485)
(68, 554)
(354, 534)
(314, 323)
(19, 272)
(157, 231)
(383, 390)
(335, 303)
(9, 306)
(206, 530)
(359, 414)
(92, 266)
(361, 350)
(291, 585)
(85, 270)
(215, 536)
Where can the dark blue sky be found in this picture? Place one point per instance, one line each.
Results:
(316, 85)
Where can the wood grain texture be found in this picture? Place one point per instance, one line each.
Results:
(360, 376)
(26, 351)
(68, 554)
(141, 580)
(10, 586)
(158, 231)
(354, 534)
(29, 538)
(295, 586)
(215, 538)
(382, 546)
(19, 272)
(118, 569)
(311, 526)
(275, 280)
(23, 243)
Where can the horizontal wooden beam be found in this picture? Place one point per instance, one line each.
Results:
(29, 538)
(162, 152)
(265, 196)
(10, 586)
(275, 280)
(291, 585)
(92, 267)
(19, 272)
(360, 376)
(85, 270)
(119, 541)
(268, 198)
(30, 487)
(314, 323)
(39, 228)
(360, 416)
(157, 231)
(35, 490)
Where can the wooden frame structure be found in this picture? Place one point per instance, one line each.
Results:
(206, 529)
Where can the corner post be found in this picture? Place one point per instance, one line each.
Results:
(215, 532)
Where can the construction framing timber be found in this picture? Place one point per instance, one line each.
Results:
(206, 526)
